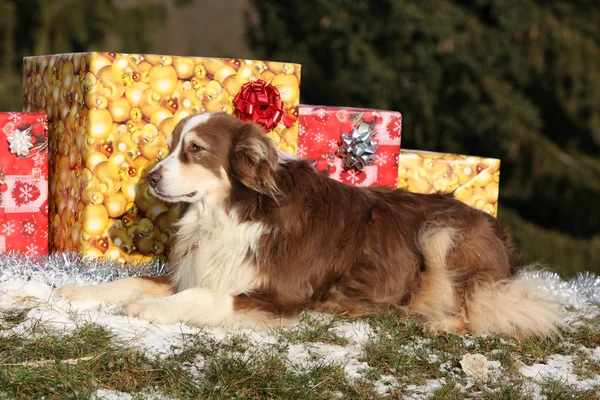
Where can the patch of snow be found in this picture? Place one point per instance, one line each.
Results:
(422, 392)
(559, 367)
(383, 386)
(105, 394)
(356, 332)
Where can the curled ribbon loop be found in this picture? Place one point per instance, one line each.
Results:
(357, 149)
(259, 102)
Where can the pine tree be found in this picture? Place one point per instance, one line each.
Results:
(36, 27)
(516, 80)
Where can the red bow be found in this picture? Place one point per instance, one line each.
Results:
(259, 102)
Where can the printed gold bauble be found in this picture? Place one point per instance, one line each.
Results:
(128, 188)
(97, 63)
(94, 159)
(212, 65)
(100, 124)
(135, 92)
(92, 196)
(247, 73)
(115, 205)
(122, 66)
(163, 80)
(144, 68)
(231, 85)
(95, 219)
(223, 72)
(68, 77)
(156, 209)
(150, 103)
(184, 67)
(167, 126)
(160, 115)
(118, 165)
(119, 109)
(76, 233)
(275, 67)
(112, 88)
(288, 87)
(63, 168)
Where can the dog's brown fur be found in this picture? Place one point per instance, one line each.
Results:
(353, 251)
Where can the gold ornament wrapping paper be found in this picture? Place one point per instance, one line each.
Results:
(474, 180)
(110, 116)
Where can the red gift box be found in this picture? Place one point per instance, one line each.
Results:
(324, 130)
(24, 183)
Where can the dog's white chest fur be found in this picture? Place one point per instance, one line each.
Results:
(216, 247)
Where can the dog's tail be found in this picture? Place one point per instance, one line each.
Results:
(515, 307)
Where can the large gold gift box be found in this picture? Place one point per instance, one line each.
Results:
(474, 180)
(110, 116)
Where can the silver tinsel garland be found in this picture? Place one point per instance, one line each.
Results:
(579, 292)
(59, 268)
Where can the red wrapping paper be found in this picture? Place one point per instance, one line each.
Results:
(24, 183)
(320, 132)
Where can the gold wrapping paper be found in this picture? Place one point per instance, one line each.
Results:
(110, 116)
(474, 180)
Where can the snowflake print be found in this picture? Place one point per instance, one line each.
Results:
(31, 250)
(29, 227)
(321, 112)
(42, 121)
(20, 142)
(353, 177)
(24, 193)
(14, 117)
(8, 228)
(301, 130)
(302, 151)
(333, 143)
(38, 160)
(319, 137)
(381, 159)
(320, 115)
(394, 127)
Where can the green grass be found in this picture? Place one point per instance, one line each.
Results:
(450, 391)
(555, 389)
(54, 364)
(313, 328)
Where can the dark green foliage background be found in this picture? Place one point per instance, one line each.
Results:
(517, 80)
(512, 79)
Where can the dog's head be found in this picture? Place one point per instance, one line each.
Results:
(211, 152)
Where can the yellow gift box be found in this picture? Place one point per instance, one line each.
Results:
(474, 180)
(110, 115)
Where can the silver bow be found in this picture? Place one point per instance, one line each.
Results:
(357, 149)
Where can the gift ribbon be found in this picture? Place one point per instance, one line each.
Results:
(357, 148)
(259, 102)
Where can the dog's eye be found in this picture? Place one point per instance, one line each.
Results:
(195, 148)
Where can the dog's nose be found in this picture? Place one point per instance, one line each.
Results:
(153, 178)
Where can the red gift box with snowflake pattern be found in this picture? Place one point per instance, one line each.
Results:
(324, 133)
(24, 183)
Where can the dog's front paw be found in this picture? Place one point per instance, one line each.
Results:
(150, 310)
(78, 293)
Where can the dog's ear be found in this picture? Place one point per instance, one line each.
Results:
(254, 160)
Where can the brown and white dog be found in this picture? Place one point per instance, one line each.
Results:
(264, 236)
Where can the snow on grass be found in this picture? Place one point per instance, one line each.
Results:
(321, 340)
